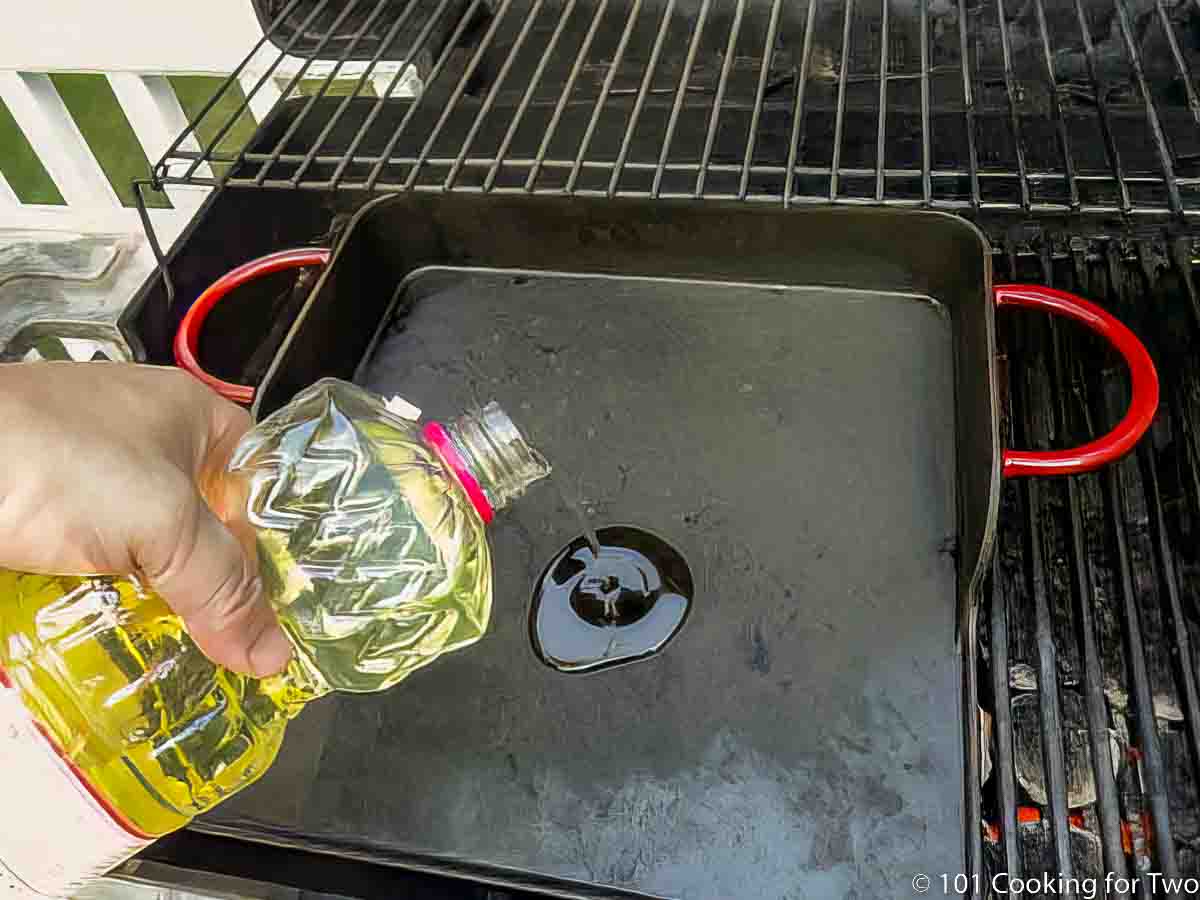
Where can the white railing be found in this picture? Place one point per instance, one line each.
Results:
(138, 46)
(135, 44)
(143, 51)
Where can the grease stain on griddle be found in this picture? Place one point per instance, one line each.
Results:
(595, 609)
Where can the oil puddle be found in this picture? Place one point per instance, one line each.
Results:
(612, 597)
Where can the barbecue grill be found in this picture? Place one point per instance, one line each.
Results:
(1069, 133)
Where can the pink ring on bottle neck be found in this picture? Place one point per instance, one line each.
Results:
(437, 437)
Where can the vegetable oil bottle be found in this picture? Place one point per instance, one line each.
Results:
(116, 729)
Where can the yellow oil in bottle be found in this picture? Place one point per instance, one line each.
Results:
(372, 555)
(157, 730)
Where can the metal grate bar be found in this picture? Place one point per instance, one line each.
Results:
(245, 103)
(1010, 91)
(1154, 779)
(1181, 257)
(1185, 74)
(1060, 125)
(973, 764)
(988, 206)
(457, 165)
(377, 169)
(881, 125)
(565, 94)
(727, 64)
(1166, 570)
(1151, 767)
(969, 101)
(1003, 764)
(643, 88)
(312, 101)
(299, 76)
(490, 181)
(173, 149)
(926, 183)
(630, 21)
(384, 46)
(1100, 95)
(680, 94)
(1054, 759)
(764, 72)
(524, 162)
(798, 107)
(1160, 140)
(841, 101)
(418, 44)
(1053, 751)
(1108, 809)
(459, 88)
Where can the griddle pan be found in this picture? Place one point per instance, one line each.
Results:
(804, 404)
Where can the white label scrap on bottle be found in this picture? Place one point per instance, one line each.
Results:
(55, 834)
(401, 408)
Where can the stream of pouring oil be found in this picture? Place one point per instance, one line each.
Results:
(612, 596)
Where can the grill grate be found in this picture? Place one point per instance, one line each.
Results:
(994, 105)
(1092, 612)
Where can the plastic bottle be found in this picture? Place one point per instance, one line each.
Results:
(115, 729)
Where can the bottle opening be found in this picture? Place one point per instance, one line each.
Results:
(489, 456)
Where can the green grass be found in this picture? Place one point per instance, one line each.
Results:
(98, 116)
(341, 87)
(193, 91)
(22, 169)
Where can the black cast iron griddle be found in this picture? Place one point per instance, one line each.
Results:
(803, 405)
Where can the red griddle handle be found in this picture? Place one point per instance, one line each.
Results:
(187, 338)
(1143, 378)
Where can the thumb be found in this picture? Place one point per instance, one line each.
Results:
(208, 578)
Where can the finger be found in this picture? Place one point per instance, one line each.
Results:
(227, 424)
(214, 585)
(226, 494)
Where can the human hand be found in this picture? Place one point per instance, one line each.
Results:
(115, 469)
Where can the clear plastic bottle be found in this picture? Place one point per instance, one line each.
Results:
(372, 550)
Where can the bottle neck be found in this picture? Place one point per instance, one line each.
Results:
(488, 456)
